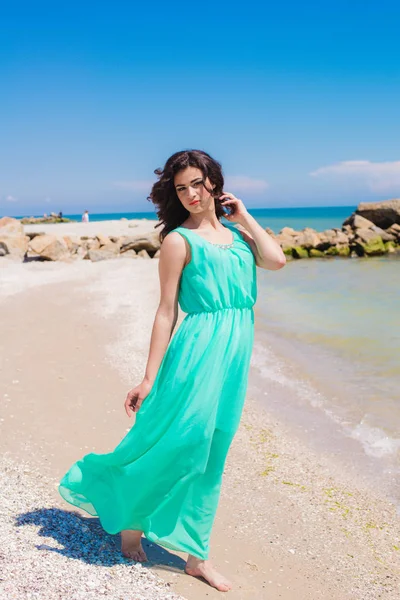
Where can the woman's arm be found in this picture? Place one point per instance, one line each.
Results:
(171, 263)
(267, 252)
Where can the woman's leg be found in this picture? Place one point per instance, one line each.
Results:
(131, 545)
(203, 568)
(205, 497)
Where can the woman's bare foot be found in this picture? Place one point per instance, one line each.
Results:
(131, 545)
(203, 568)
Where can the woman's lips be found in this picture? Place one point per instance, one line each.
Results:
(194, 202)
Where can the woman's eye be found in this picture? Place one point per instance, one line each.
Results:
(198, 183)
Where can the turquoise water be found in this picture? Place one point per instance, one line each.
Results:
(319, 218)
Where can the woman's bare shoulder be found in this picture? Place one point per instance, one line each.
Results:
(173, 246)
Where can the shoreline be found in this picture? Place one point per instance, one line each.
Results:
(300, 522)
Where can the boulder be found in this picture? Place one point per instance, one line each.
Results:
(73, 243)
(143, 254)
(366, 235)
(129, 254)
(307, 239)
(13, 242)
(101, 254)
(11, 226)
(110, 247)
(150, 243)
(390, 247)
(332, 237)
(288, 231)
(394, 230)
(102, 239)
(383, 214)
(369, 244)
(332, 251)
(385, 234)
(356, 221)
(14, 246)
(92, 244)
(343, 250)
(49, 247)
(299, 252)
(315, 253)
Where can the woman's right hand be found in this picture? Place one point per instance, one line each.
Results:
(136, 396)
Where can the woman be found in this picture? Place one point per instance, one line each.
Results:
(164, 477)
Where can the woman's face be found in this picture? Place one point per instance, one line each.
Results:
(191, 191)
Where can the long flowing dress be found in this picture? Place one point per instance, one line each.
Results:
(164, 477)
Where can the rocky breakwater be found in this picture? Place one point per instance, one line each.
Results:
(14, 244)
(373, 229)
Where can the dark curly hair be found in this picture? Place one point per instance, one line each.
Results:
(170, 211)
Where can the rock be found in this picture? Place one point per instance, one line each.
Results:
(332, 251)
(332, 237)
(299, 252)
(343, 250)
(73, 243)
(143, 254)
(101, 254)
(383, 214)
(49, 247)
(270, 231)
(395, 228)
(150, 243)
(366, 235)
(129, 254)
(313, 252)
(102, 239)
(33, 234)
(110, 247)
(40, 242)
(13, 242)
(14, 246)
(157, 254)
(390, 247)
(288, 231)
(286, 242)
(356, 221)
(307, 239)
(369, 243)
(92, 244)
(11, 226)
(385, 235)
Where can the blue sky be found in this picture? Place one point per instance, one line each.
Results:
(300, 102)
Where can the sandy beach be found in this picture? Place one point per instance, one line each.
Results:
(114, 228)
(75, 338)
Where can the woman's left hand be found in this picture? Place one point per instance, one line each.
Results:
(238, 208)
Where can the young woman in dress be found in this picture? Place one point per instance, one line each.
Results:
(163, 479)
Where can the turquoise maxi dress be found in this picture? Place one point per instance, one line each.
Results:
(164, 477)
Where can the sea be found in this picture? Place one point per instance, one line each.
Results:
(326, 358)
